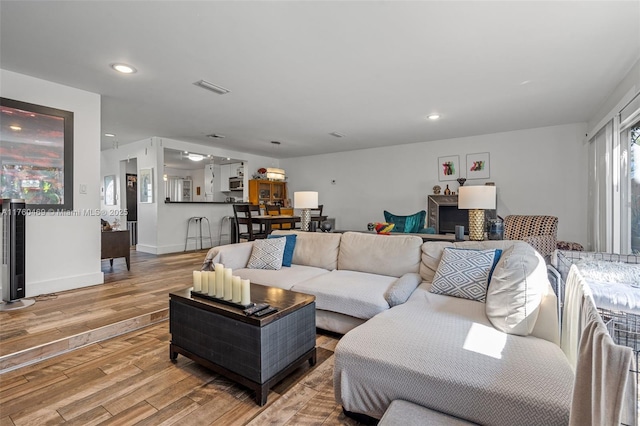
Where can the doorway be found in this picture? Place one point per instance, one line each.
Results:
(132, 207)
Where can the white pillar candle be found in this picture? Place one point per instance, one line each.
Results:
(212, 283)
(236, 293)
(227, 283)
(197, 283)
(205, 282)
(245, 298)
(219, 280)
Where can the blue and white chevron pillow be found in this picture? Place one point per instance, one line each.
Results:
(267, 254)
(464, 273)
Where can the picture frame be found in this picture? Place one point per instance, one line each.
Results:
(110, 190)
(37, 155)
(145, 182)
(478, 166)
(448, 168)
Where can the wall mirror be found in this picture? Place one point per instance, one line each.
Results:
(194, 176)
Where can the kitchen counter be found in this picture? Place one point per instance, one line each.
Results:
(202, 202)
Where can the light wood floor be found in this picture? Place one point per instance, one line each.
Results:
(129, 379)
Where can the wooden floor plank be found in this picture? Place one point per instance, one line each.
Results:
(129, 379)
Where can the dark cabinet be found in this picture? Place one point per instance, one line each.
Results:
(116, 244)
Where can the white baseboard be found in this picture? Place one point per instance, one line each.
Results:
(63, 284)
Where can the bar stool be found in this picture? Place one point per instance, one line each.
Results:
(197, 221)
(226, 219)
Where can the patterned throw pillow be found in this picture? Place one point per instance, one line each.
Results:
(464, 273)
(383, 228)
(288, 247)
(267, 254)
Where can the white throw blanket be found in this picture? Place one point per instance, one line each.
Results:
(602, 368)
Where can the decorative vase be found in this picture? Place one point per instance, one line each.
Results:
(447, 191)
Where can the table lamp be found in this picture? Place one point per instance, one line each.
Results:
(305, 200)
(476, 199)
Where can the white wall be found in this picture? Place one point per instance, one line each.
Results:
(536, 171)
(623, 93)
(63, 252)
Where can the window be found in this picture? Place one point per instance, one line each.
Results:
(614, 183)
(633, 138)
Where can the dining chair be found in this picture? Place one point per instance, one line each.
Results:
(273, 210)
(242, 213)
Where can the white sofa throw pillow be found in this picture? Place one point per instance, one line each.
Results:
(267, 254)
(516, 289)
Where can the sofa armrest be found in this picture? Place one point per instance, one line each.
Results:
(401, 289)
(233, 256)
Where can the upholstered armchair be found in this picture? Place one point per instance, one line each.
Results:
(409, 224)
(539, 231)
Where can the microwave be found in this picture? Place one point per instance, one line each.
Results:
(235, 183)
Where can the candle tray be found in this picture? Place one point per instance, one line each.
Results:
(218, 300)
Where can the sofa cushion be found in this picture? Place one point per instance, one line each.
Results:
(464, 273)
(358, 294)
(284, 278)
(289, 246)
(402, 288)
(392, 255)
(319, 249)
(432, 251)
(267, 254)
(516, 289)
(406, 413)
(408, 224)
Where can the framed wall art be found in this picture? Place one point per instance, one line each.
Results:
(478, 166)
(448, 168)
(37, 155)
(145, 182)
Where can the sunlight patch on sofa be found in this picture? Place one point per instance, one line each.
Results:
(485, 340)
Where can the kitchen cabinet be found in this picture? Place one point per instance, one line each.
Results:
(267, 192)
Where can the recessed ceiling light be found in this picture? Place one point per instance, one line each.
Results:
(433, 116)
(123, 68)
(16, 128)
(337, 134)
(213, 87)
(216, 136)
(523, 83)
(110, 135)
(195, 157)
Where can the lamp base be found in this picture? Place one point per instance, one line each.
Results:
(305, 219)
(476, 225)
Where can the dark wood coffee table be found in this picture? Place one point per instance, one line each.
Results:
(255, 352)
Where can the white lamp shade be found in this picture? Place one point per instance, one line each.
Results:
(305, 200)
(477, 197)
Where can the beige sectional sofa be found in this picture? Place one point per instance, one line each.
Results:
(493, 363)
(354, 276)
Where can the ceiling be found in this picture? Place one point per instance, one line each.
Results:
(298, 71)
